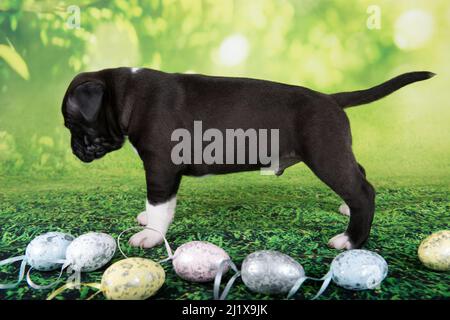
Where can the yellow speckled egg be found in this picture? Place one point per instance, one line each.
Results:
(434, 251)
(132, 279)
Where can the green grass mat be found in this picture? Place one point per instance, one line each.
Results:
(240, 213)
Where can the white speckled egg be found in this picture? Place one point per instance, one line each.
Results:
(91, 251)
(358, 269)
(198, 261)
(270, 272)
(434, 251)
(42, 252)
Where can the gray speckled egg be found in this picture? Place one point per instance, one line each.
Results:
(270, 272)
(42, 252)
(358, 269)
(91, 251)
(198, 261)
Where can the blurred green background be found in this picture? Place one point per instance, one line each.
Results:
(329, 46)
(403, 141)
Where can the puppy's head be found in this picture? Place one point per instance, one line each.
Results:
(90, 116)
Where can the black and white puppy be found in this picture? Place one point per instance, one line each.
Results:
(102, 108)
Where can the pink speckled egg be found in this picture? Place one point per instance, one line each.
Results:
(198, 261)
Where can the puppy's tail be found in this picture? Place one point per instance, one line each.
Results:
(356, 98)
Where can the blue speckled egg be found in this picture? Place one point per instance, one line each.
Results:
(358, 269)
(42, 252)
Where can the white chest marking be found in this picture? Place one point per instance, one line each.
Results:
(205, 175)
(135, 150)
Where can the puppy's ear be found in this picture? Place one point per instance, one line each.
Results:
(86, 101)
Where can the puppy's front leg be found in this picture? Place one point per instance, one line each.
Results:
(162, 187)
(157, 216)
(160, 212)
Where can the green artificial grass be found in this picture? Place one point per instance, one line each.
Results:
(241, 213)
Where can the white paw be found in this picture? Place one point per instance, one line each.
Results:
(142, 218)
(146, 239)
(340, 241)
(344, 209)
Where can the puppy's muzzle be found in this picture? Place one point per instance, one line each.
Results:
(87, 149)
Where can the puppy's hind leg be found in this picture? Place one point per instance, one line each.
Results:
(344, 208)
(329, 155)
(357, 192)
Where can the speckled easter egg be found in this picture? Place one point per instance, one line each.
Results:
(42, 252)
(358, 269)
(198, 261)
(434, 251)
(270, 272)
(132, 279)
(91, 251)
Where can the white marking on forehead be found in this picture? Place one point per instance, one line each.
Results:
(134, 70)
